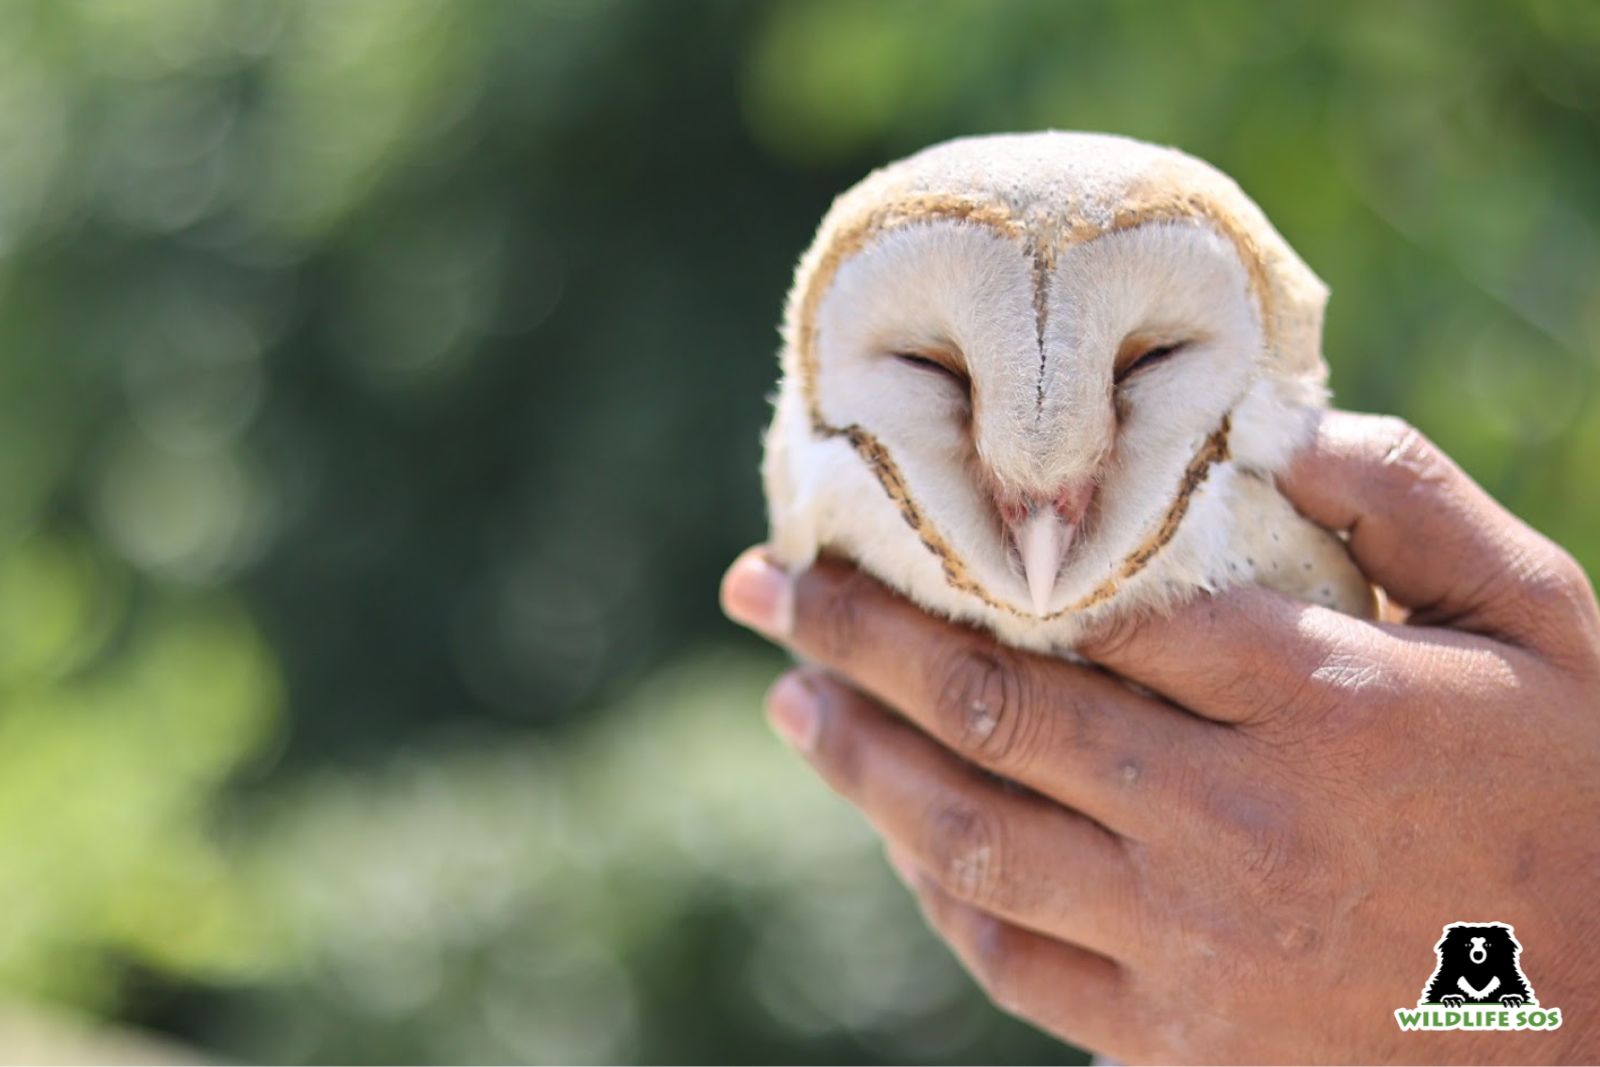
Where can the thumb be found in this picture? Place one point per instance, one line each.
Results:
(1433, 539)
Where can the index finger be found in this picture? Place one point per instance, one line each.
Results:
(1249, 655)
(1070, 732)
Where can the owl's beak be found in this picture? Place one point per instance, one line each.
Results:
(1042, 540)
(1043, 530)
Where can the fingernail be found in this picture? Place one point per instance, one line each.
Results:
(759, 594)
(794, 711)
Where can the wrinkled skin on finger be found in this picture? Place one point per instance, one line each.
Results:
(1250, 856)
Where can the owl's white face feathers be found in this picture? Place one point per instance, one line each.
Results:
(1012, 365)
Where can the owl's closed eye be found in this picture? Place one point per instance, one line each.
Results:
(1032, 380)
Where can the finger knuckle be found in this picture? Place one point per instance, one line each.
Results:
(1570, 573)
(1404, 458)
(1557, 586)
(965, 850)
(1548, 596)
(982, 710)
(1295, 937)
(1394, 436)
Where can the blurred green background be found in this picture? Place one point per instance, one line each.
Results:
(380, 390)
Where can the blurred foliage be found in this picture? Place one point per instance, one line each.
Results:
(591, 900)
(379, 401)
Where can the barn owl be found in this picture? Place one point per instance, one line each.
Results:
(1032, 381)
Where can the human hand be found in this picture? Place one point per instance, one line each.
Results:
(1253, 859)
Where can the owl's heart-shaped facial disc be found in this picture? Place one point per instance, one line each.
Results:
(1024, 376)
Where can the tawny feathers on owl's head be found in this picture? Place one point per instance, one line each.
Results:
(1022, 372)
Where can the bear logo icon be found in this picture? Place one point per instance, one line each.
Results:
(1478, 963)
(1478, 984)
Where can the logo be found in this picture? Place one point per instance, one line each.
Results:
(1478, 984)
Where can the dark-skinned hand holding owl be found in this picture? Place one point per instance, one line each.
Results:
(1244, 858)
